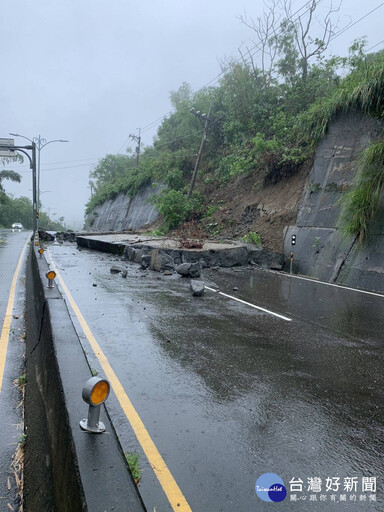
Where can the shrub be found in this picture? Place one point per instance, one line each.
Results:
(175, 207)
(251, 238)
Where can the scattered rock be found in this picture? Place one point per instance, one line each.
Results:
(189, 270)
(124, 273)
(129, 253)
(45, 236)
(168, 273)
(115, 270)
(94, 284)
(203, 263)
(145, 261)
(183, 269)
(66, 236)
(197, 288)
(195, 270)
(235, 288)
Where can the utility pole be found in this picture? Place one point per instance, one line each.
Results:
(207, 119)
(137, 138)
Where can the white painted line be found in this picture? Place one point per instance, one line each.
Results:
(293, 276)
(251, 305)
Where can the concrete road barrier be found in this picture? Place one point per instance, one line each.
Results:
(65, 468)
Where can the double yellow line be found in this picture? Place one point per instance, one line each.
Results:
(6, 329)
(175, 497)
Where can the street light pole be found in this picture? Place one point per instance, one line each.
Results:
(8, 148)
(39, 143)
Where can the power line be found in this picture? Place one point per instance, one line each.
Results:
(217, 77)
(21, 171)
(256, 47)
(377, 44)
(355, 22)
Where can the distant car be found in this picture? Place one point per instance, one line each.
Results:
(17, 226)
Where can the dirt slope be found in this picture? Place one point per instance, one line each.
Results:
(243, 207)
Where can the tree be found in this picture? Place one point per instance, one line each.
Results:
(301, 28)
(110, 168)
(265, 28)
(8, 175)
(293, 39)
(16, 210)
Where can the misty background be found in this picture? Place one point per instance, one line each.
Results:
(94, 72)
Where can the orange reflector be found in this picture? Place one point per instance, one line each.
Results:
(41, 251)
(50, 275)
(99, 392)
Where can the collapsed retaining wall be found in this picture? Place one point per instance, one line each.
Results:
(65, 469)
(321, 251)
(166, 254)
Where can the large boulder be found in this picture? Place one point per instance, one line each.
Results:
(189, 270)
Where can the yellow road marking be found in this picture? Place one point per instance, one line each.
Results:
(4, 338)
(163, 474)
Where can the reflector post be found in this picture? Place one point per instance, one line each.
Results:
(95, 392)
(50, 275)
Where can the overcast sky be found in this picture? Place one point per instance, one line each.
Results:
(94, 71)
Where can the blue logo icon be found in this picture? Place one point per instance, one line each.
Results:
(270, 487)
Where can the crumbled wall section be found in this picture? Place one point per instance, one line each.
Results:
(123, 212)
(320, 250)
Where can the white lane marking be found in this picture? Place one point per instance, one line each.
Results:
(293, 276)
(249, 304)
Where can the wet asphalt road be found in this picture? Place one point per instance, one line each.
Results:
(229, 393)
(11, 245)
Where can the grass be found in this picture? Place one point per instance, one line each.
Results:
(252, 238)
(362, 90)
(364, 198)
(22, 440)
(133, 460)
(22, 380)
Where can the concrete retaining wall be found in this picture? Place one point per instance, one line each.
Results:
(321, 251)
(65, 468)
(123, 212)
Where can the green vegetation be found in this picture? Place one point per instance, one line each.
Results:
(133, 460)
(265, 122)
(20, 210)
(251, 238)
(22, 380)
(364, 198)
(22, 440)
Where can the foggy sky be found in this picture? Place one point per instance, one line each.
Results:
(93, 72)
